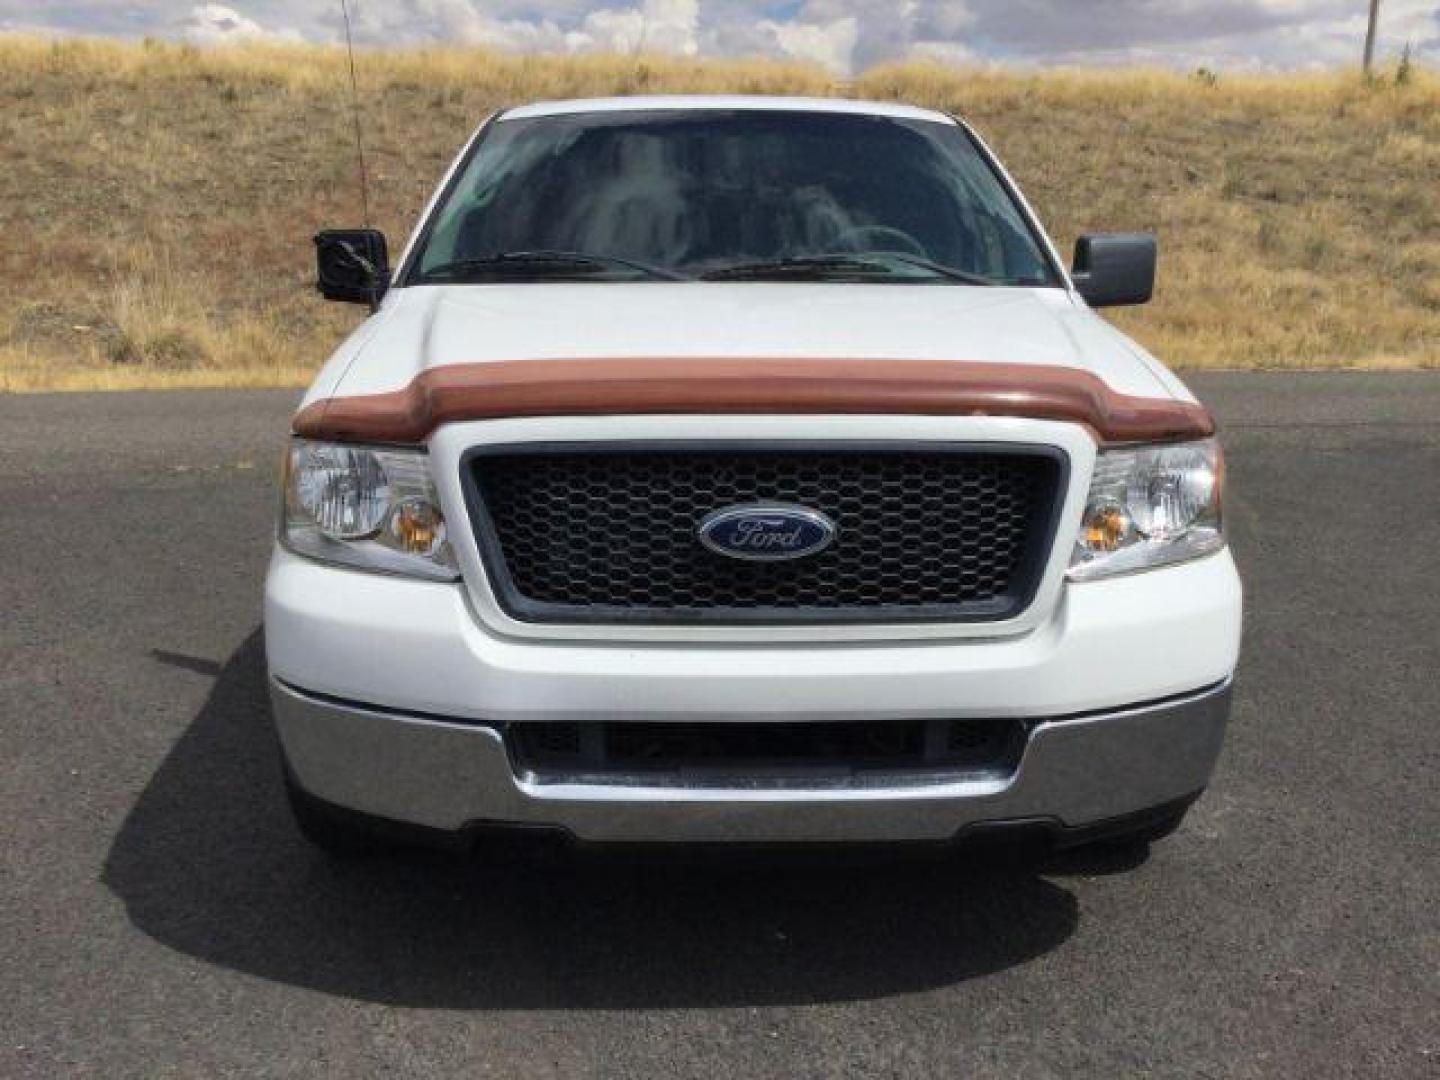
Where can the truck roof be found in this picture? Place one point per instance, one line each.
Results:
(725, 101)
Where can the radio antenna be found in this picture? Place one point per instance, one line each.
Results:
(355, 108)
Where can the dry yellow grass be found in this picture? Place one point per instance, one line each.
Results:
(157, 200)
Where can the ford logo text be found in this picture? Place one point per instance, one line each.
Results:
(766, 532)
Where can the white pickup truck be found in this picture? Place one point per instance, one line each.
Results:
(745, 470)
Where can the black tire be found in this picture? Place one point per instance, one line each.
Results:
(329, 828)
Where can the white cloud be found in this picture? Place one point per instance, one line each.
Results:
(948, 52)
(1219, 33)
(841, 34)
(210, 24)
(658, 25)
(653, 25)
(831, 45)
(883, 28)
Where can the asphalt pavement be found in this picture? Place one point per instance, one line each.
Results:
(160, 917)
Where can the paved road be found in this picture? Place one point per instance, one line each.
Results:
(159, 916)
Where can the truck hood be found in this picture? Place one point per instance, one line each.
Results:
(426, 327)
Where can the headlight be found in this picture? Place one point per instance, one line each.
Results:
(368, 508)
(1150, 506)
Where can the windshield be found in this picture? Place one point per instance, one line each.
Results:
(740, 195)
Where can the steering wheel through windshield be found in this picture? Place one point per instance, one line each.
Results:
(873, 238)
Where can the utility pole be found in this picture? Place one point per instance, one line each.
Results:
(1370, 35)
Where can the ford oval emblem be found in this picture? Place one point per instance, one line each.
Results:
(766, 532)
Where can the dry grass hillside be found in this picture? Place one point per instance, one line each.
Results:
(156, 201)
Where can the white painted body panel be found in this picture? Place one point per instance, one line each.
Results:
(417, 646)
(428, 326)
(644, 103)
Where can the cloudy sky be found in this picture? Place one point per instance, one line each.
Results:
(845, 35)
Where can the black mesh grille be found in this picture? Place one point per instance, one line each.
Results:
(602, 533)
(754, 752)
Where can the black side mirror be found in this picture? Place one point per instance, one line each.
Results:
(1115, 268)
(352, 265)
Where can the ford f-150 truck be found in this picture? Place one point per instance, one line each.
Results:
(745, 470)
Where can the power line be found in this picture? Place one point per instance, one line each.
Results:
(355, 106)
(1370, 34)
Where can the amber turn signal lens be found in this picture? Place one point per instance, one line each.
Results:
(417, 527)
(1105, 528)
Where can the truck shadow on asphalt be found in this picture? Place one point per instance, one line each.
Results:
(208, 863)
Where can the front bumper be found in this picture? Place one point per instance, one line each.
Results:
(1124, 683)
(450, 775)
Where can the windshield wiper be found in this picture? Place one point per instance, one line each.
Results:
(951, 272)
(546, 263)
(831, 267)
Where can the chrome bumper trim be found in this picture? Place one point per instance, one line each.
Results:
(448, 775)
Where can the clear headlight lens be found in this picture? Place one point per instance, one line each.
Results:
(1150, 506)
(369, 508)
